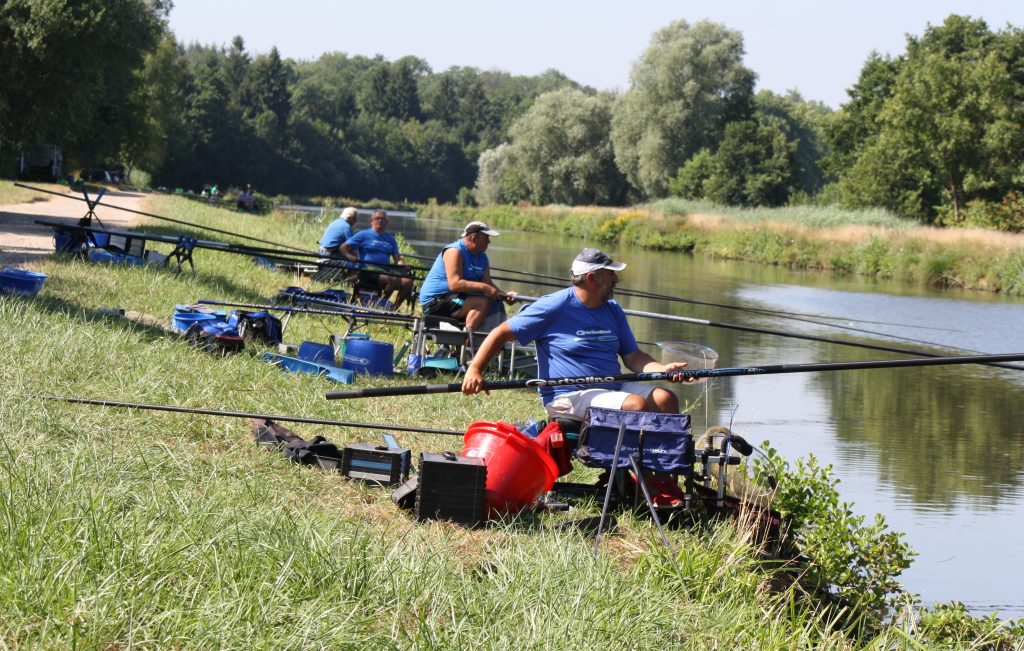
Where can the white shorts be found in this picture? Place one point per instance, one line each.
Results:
(574, 405)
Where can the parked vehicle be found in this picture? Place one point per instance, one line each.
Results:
(41, 163)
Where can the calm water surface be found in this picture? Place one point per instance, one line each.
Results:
(937, 450)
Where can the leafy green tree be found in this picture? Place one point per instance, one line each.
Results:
(688, 84)
(856, 124)
(159, 130)
(70, 68)
(491, 175)
(952, 130)
(268, 82)
(236, 72)
(691, 177)
(803, 123)
(562, 150)
(754, 165)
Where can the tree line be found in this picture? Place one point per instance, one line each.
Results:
(934, 134)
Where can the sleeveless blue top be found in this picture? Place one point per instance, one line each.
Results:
(436, 283)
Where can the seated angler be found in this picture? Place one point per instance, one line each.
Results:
(375, 246)
(337, 233)
(459, 283)
(581, 331)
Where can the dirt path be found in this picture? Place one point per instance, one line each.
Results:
(22, 240)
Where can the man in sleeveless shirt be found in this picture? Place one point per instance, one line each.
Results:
(459, 283)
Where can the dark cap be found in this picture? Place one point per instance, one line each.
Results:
(593, 259)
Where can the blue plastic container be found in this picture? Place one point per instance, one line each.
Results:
(314, 352)
(367, 356)
(20, 281)
(296, 365)
(182, 320)
(111, 257)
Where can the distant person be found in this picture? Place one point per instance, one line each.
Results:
(246, 199)
(337, 233)
(459, 283)
(375, 246)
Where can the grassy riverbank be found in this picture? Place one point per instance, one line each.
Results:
(136, 528)
(867, 242)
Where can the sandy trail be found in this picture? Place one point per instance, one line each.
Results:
(22, 240)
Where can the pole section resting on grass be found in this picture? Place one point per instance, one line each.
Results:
(242, 414)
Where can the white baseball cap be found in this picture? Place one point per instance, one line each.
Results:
(478, 227)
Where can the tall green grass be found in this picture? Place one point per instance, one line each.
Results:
(138, 529)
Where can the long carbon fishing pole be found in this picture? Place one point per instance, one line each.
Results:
(354, 313)
(793, 335)
(675, 299)
(377, 392)
(242, 414)
(830, 325)
(161, 217)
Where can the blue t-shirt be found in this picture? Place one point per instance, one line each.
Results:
(574, 340)
(371, 246)
(436, 283)
(336, 234)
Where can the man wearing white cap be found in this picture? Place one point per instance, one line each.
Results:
(459, 283)
(578, 332)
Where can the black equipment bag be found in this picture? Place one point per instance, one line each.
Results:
(667, 442)
(258, 326)
(316, 452)
(214, 337)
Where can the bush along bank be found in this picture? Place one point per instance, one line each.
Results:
(840, 242)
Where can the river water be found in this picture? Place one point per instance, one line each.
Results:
(937, 450)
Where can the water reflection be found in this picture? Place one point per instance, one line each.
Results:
(938, 450)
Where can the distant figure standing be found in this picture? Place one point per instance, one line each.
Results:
(337, 233)
(247, 200)
(376, 246)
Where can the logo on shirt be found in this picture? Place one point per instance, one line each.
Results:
(595, 334)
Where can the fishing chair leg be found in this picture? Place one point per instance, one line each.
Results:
(642, 485)
(611, 484)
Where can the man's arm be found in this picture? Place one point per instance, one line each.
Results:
(495, 341)
(640, 362)
(458, 283)
(349, 252)
(508, 297)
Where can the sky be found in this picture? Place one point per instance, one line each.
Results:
(815, 47)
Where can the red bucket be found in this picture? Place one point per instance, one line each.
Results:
(519, 469)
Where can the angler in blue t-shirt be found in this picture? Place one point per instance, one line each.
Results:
(374, 249)
(581, 332)
(459, 283)
(337, 233)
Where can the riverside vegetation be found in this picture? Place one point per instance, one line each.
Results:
(136, 528)
(868, 242)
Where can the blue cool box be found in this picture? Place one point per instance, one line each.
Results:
(20, 281)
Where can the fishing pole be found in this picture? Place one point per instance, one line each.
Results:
(161, 217)
(355, 313)
(675, 299)
(793, 335)
(830, 325)
(242, 414)
(341, 307)
(376, 392)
